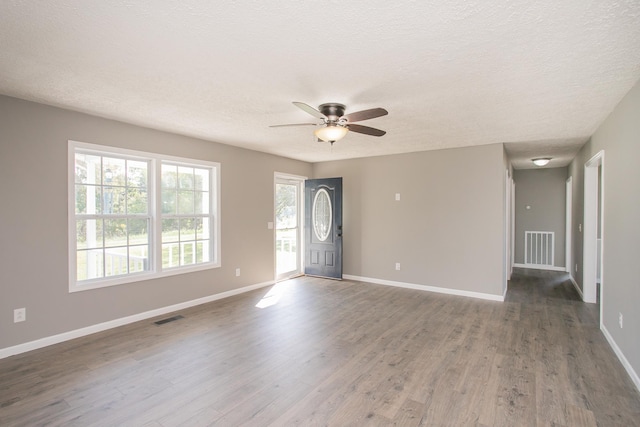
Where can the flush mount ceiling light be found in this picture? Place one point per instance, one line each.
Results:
(542, 161)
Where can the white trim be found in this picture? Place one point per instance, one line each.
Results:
(427, 288)
(568, 239)
(540, 267)
(284, 175)
(77, 333)
(627, 366)
(507, 231)
(592, 216)
(575, 285)
(298, 180)
(513, 224)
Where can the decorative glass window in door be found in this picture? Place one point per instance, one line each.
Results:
(321, 215)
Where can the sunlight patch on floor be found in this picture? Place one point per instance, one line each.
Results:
(273, 296)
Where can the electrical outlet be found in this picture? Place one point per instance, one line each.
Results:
(19, 315)
(397, 197)
(620, 319)
(397, 266)
(237, 272)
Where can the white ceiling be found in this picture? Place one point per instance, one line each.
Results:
(540, 76)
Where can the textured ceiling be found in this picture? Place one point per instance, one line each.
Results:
(451, 74)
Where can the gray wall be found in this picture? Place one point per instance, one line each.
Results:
(545, 191)
(619, 137)
(33, 221)
(447, 230)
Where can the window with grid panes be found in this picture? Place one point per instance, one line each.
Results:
(137, 215)
(186, 222)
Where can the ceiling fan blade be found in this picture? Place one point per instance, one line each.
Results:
(366, 130)
(365, 114)
(309, 109)
(293, 124)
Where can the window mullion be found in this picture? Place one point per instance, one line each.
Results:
(156, 215)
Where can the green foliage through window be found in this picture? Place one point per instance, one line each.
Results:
(124, 221)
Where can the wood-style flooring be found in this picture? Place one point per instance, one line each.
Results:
(313, 352)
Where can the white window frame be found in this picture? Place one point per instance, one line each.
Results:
(298, 181)
(155, 227)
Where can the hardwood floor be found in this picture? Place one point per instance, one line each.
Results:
(322, 352)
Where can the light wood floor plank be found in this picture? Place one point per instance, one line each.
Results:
(337, 353)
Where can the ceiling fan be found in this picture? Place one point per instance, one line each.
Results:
(335, 124)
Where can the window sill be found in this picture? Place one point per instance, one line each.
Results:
(138, 277)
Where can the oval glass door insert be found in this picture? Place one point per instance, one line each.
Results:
(321, 215)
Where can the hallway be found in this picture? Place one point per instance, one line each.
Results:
(558, 338)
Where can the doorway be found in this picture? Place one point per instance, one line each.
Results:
(592, 258)
(288, 215)
(508, 233)
(323, 228)
(568, 239)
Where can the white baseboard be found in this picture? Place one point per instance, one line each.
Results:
(627, 366)
(541, 267)
(575, 285)
(77, 333)
(437, 289)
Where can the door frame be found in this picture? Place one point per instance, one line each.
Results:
(508, 267)
(513, 224)
(287, 178)
(593, 214)
(320, 246)
(568, 238)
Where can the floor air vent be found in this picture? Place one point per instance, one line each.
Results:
(168, 319)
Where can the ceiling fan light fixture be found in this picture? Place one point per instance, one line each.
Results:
(331, 133)
(542, 161)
